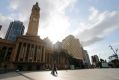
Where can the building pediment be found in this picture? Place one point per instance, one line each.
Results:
(30, 39)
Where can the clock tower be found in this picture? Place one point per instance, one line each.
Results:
(34, 21)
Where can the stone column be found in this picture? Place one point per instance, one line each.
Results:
(25, 51)
(20, 53)
(6, 52)
(33, 52)
(43, 54)
(14, 53)
(29, 54)
(37, 53)
(46, 57)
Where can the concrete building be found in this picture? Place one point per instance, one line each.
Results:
(86, 58)
(73, 46)
(95, 60)
(16, 29)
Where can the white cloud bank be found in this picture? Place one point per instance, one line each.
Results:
(55, 24)
(5, 21)
(101, 25)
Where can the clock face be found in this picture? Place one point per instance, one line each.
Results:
(34, 19)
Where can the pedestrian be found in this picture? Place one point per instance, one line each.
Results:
(54, 70)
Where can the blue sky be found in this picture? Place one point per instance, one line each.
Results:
(94, 22)
(81, 9)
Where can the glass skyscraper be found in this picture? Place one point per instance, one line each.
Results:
(16, 28)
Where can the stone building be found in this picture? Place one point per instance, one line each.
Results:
(6, 48)
(30, 52)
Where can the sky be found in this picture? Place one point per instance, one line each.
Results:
(94, 22)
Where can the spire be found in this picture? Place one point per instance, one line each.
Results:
(36, 3)
(36, 6)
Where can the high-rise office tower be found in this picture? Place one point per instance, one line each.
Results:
(86, 57)
(16, 28)
(73, 46)
(95, 60)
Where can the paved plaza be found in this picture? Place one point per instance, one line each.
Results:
(84, 74)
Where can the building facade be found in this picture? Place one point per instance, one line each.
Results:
(73, 46)
(86, 59)
(31, 52)
(6, 48)
(95, 60)
(16, 29)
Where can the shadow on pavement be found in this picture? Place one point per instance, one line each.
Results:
(14, 74)
(25, 76)
(8, 75)
(55, 75)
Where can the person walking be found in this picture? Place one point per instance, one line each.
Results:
(54, 70)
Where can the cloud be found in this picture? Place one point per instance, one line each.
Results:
(115, 44)
(53, 23)
(91, 41)
(102, 24)
(14, 4)
(57, 24)
(4, 21)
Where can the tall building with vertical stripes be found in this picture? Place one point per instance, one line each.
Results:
(73, 46)
(16, 29)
